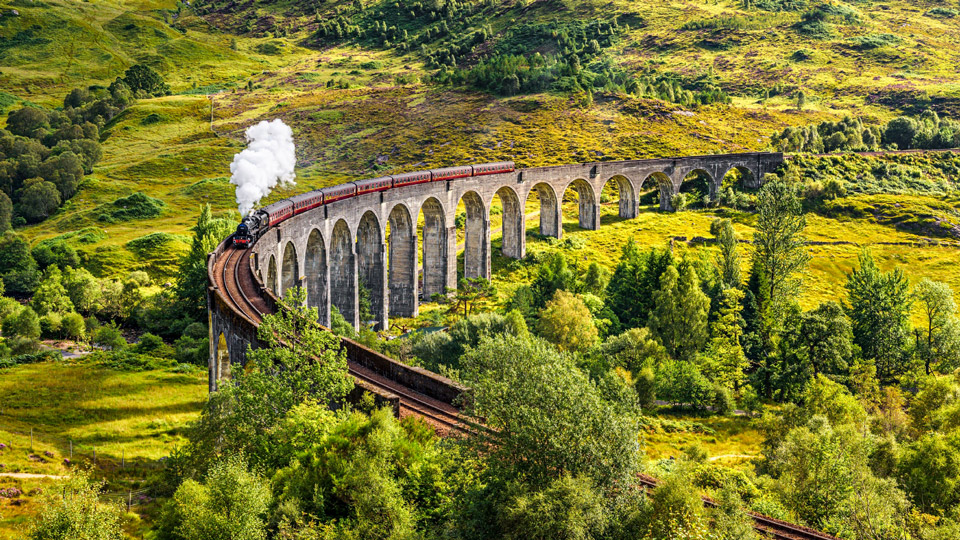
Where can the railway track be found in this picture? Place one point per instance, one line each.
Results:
(767, 526)
(240, 288)
(237, 282)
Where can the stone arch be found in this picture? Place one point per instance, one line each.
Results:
(476, 237)
(223, 357)
(665, 185)
(343, 273)
(316, 276)
(627, 195)
(435, 247)
(738, 177)
(272, 275)
(549, 209)
(371, 265)
(588, 211)
(289, 272)
(402, 273)
(699, 183)
(513, 244)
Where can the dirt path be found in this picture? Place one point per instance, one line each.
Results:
(27, 476)
(740, 456)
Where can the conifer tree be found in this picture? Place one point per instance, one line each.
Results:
(879, 311)
(725, 345)
(192, 280)
(679, 316)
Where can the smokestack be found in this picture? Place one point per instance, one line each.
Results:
(268, 160)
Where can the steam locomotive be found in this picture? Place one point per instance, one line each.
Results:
(258, 221)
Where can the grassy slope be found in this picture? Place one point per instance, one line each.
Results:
(176, 157)
(342, 132)
(136, 416)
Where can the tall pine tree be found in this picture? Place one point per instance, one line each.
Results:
(191, 284)
(679, 316)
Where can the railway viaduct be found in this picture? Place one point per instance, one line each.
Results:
(372, 239)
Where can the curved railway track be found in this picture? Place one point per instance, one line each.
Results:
(236, 280)
(768, 527)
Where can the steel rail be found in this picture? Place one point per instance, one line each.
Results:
(771, 527)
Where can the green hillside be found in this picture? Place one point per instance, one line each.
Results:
(372, 87)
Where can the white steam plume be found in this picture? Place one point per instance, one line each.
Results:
(269, 159)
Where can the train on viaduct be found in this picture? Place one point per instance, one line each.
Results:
(372, 239)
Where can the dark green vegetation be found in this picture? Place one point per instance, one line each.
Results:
(44, 154)
(852, 135)
(847, 373)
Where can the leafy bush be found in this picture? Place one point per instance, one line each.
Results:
(151, 245)
(874, 41)
(135, 206)
(109, 337)
(35, 358)
(942, 12)
(127, 360)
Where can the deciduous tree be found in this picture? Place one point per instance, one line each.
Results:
(879, 307)
(938, 342)
(567, 321)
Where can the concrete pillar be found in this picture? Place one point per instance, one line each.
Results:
(403, 269)
(435, 248)
(449, 259)
(551, 219)
(589, 214)
(514, 228)
(629, 205)
(666, 192)
(323, 304)
(343, 275)
(476, 248)
(372, 267)
(316, 277)
(289, 273)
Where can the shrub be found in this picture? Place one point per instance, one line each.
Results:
(73, 326)
(135, 206)
(946, 13)
(109, 337)
(874, 41)
(144, 80)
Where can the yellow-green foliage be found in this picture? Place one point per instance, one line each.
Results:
(134, 416)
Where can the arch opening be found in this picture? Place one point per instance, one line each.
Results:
(343, 273)
(272, 275)
(663, 192)
(471, 219)
(619, 188)
(289, 273)
(581, 193)
(371, 270)
(734, 187)
(434, 241)
(315, 276)
(507, 205)
(402, 269)
(697, 189)
(542, 197)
